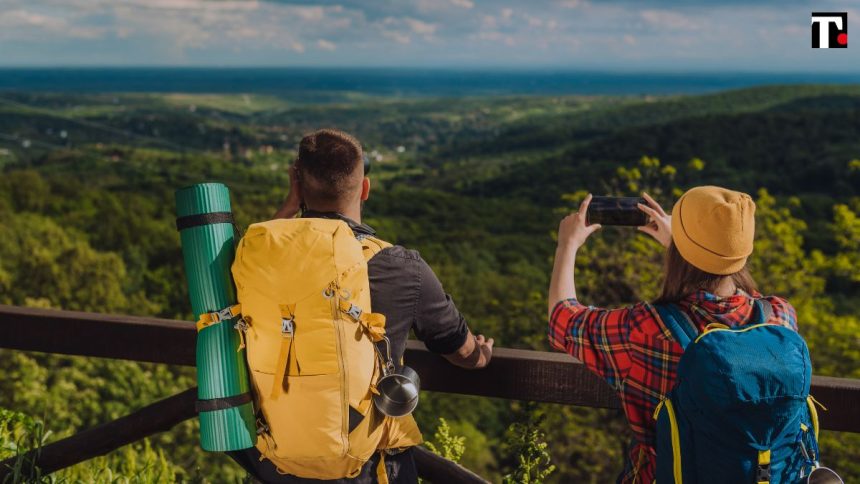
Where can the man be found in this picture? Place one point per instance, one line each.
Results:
(328, 180)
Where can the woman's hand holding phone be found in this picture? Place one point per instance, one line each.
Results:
(660, 224)
(573, 231)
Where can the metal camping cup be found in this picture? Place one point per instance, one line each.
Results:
(818, 474)
(397, 393)
(412, 375)
(823, 475)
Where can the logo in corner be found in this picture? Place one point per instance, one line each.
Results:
(829, 30)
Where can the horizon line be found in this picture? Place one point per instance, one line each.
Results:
(499, 68)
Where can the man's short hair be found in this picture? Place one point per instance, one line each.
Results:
(331, 158)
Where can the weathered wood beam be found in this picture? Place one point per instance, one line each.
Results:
(94, 334)
(515, 375)
(512, 374)
(160, 416)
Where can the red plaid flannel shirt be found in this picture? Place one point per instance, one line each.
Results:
(635, 353)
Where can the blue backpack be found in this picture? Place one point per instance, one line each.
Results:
(740, 411)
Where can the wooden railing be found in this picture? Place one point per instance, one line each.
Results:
(512, 374)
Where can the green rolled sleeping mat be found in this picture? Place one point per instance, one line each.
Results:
(205, 223)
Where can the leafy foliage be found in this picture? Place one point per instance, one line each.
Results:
(446, 444)
(526, 442)
(137, 464)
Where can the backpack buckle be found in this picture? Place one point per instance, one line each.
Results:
(354, 312)
(287, 327)
(221, 315)
(763, 473)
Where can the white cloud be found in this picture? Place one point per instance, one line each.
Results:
(326, 45)
(26, 18)
(463, 3)
(420, 27)
(666, 19)
(496, 38)
(190, 4)
(27, 24)
(534, 21)
(400, 30)
(489, 22)
(572, 3)
(435, 6)
(241, 26)
(308, 14)
(296, 46)
(396, 36)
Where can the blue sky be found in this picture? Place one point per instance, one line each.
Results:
(566, 34)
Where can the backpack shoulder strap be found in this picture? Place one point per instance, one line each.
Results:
(765, 310)
(371, 246)
(677, 323)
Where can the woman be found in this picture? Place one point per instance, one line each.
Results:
(708, 238)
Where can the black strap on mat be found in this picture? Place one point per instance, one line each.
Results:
(189, 221)
(222, 403)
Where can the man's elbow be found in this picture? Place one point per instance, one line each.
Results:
(474, 354)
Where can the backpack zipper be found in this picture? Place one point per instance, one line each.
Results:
(745, 328)
(344, 376)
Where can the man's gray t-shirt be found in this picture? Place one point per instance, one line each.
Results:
(408, 293)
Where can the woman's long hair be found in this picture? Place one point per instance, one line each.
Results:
(683, 279)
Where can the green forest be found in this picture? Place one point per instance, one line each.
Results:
(476, 184)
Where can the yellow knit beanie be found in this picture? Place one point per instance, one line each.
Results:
(713, 229)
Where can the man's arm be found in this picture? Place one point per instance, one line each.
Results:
(475, 352)
(443, 329)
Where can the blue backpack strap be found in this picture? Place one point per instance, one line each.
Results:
(765, 310)
(677, 323)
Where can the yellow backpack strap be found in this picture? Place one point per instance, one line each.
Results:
(215, 317)
(811, 402)
(714, 326)
(370, 246)
(226, 314)
(288, 331)
(381, 474)
(372, 323)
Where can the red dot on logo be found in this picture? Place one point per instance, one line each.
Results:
(842, 39)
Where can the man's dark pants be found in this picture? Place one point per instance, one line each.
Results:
(399, 467)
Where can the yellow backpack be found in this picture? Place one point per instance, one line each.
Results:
(305, 297)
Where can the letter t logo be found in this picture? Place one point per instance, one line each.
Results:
(829, 30)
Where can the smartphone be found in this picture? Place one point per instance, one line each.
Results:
(616, 211)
